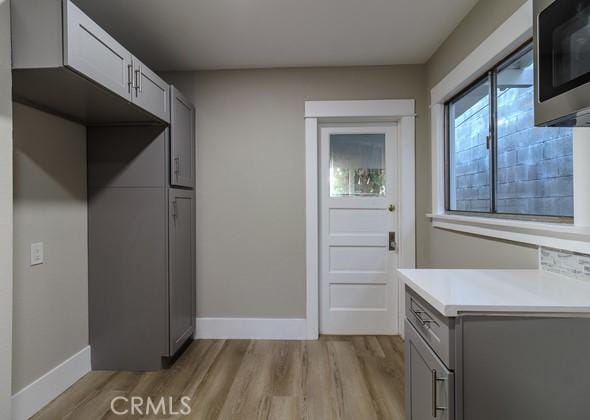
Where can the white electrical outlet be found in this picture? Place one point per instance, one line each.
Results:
(37, 253)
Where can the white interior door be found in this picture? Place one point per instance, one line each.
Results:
(359, 182)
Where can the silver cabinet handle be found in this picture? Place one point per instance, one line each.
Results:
(130, 79)
(435, 407)
(138, 86)
(139, 82)
(418, 314)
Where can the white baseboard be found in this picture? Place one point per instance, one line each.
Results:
(252, 328)
(39, 393)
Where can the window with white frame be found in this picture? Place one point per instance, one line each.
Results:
(497, 161)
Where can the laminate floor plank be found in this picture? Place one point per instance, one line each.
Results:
(333, 378)
(351, 388)
(319, 383)
(84, 389)
(248, 395)
(284, 408)
(209, 397)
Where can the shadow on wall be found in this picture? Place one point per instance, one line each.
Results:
(47, 149)
(111, 149)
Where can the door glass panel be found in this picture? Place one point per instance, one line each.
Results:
(469, 156)
(357, 165)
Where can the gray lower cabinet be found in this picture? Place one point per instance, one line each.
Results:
(141, 250)
(492, 366)
(429, 384)
(182, 139)
(127, 278)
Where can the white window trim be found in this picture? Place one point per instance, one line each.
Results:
(316, 112)
(552, 235)
(515, 31)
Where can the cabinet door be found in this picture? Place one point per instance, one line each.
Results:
(182, 140)
(429, 384)
(150, 92)
(182, 268)
(89, 50)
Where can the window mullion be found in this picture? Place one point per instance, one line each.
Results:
(492, 141)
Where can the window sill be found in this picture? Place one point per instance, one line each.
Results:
(553, 235)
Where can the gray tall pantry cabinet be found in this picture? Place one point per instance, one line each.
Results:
(141, 178)
(141, 241)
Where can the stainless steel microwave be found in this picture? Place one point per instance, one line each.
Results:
(562, 62)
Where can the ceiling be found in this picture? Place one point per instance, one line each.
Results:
(216, 34)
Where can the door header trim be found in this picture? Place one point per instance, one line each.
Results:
(386, 108)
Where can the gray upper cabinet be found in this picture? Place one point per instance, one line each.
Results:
(150, 92)
(54, 43)
(89, 50)
(182, 140)
(181, 267)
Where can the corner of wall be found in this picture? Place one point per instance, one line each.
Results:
(5, 211)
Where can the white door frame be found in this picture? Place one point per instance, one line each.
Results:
(401, 111)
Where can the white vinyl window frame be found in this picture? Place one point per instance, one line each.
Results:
(514, 32)
(401, 111)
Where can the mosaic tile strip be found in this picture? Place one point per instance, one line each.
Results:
(571, 264)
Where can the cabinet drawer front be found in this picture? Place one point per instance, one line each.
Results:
(437, 330)
(150, 92)
(89, 50)
(430, 386)
(182, 140)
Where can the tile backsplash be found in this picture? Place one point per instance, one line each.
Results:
(571, 264)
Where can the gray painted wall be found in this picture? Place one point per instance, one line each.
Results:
(251, 177)
(50, 300)
(5, 211)
(445, 249)
(479, 23)
(251, 208)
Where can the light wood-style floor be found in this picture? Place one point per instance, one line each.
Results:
(336, 377)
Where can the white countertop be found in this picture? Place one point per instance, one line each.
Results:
(455, 291)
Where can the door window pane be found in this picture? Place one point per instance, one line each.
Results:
(534, 164)
(469, 157)
(357, 165)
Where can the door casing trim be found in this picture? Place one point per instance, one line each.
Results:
(401, 111)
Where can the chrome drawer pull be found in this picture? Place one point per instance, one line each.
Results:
(418, 315)
(435, 407)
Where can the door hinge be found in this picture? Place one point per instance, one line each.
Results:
(174, 209)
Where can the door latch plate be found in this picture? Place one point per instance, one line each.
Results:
(392, 243)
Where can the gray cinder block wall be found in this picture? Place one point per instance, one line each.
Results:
(535, 174)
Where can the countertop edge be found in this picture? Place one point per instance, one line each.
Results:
(458, 310)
